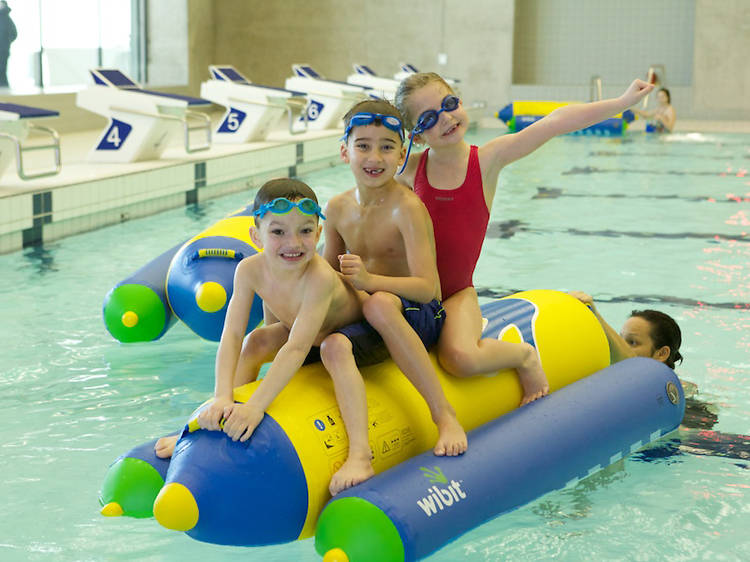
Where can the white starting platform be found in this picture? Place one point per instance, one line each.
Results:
(407, 69)
(15, 129)
(380, 86)
(252, 110)
(142, 123)
(329, 100)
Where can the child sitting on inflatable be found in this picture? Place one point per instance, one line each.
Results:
(457, 183)
(309, 302)
(380, 237)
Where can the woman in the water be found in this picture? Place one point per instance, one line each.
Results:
(661, 119)
(650, 333)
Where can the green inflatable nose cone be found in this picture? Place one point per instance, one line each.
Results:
(134, 313)
(360, 529)
(130, 488)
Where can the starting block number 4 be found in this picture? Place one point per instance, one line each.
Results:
(115, 136)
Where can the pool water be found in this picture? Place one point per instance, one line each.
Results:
(640, 222)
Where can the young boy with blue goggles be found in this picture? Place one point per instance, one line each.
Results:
(379, 235)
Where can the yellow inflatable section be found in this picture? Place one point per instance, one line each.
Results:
(571, 345)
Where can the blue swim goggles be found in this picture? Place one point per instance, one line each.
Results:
(282, 205)
(366, 118)
(429, 119)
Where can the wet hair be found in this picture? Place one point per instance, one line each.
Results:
(408, 86)
(664, 331)
(669, 98)
(372, 106)
(294, 190)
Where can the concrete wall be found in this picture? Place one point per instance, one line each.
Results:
(168, 57)
(263, 39)
(704, 45)
(721, 67)
(564, 42)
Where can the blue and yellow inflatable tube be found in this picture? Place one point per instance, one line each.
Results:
(411, 510)
(284, 470)
(191, 281)
(518, 115)
(200, 278)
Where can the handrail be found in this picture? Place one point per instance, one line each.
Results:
(184, 121)
(20, 150)
(652, 77)
(302, 105)
(205, 125)
(595, 88)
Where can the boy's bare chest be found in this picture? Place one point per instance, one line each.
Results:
(282, 298)
(373, 235)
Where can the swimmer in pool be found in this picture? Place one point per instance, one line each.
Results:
(661, 119)
(654, 334)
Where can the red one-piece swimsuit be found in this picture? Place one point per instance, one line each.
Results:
(459, 219)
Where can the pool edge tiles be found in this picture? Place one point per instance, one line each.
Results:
(44, 212)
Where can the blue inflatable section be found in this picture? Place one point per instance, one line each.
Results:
(261, 488)
(189, 269)
(146, 453)
(511, 312)
(544, 446)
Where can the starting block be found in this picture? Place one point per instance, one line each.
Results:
(251, 109)
(141, 122)
(382, 87)
(329, 100)
(16, 126)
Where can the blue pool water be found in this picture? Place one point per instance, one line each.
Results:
(641, 222)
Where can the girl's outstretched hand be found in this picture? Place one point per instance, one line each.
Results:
(636, 92)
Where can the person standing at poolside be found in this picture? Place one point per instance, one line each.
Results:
(8, 34)
(457, 183)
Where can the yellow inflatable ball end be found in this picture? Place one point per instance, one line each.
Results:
(211, 297)
(335, 555)
(175, 508)
(112, 509)
(129, 319)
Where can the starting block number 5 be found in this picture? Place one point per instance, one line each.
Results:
(232, 121)
(115, 136)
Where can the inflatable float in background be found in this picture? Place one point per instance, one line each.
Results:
(518, 115)
(192, 281)
(283, 471)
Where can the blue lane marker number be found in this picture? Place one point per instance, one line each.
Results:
(115, 136)
(232, 121)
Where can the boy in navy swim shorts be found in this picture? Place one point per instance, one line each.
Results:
(379, 235)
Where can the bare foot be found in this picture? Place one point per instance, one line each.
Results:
(533, 379)
(451, 437)
(353, 471)
(164, 447)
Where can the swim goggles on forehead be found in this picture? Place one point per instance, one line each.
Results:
(429, 119)
(282, 205)
(366, 118)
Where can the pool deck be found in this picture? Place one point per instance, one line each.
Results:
(85, 196)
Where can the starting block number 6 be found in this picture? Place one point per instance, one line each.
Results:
(115, 136)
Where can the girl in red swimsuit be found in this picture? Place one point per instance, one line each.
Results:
(457, 184)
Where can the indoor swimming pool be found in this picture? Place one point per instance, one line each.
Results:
(637, 222)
